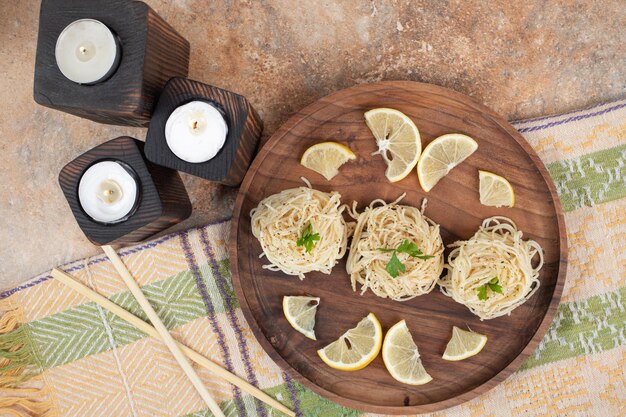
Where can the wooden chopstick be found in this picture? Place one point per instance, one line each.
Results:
(166, 337)
(151, 331)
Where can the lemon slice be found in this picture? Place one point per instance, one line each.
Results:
(300, 313)
(356, 348)
(463, 344)
(441, 155)
(398, 141)
(495, 190)
(401, 357)
(326, 158)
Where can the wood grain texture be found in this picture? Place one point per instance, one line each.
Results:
(229, 166)
(163, 200)
(453, 203)
(152, 53)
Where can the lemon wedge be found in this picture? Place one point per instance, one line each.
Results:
(401, 357)
(326, 158)
(441, 156)
(300, 313)
(356, 348)
(463, 344)
(495, 190)
(398, 141)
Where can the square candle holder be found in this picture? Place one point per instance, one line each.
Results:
(152, 52)
(230, 164)
(162, 199)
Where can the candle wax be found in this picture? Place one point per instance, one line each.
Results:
(107, 192)
(87, 52)
(195, 132)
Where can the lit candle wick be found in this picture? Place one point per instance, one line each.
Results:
(196, 124)
(110, 192)
(108, 196)
(83, 50)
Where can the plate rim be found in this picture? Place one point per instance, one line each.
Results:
(498, 378)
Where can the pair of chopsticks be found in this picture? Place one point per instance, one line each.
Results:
(180, 352)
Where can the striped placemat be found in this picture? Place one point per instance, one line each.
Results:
(63, 356)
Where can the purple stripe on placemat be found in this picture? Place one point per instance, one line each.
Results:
(95, 261)
(149, 245)
(554, 116)
(211, 313)
(234, 322)
(571, 119)
(293, 393)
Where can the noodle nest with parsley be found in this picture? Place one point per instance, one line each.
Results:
(301, 230)
(396, 251)
(492, 273)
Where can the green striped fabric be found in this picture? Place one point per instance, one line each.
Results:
(592, 325)
(592, 179)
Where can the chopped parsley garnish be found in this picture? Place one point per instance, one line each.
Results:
(308, 238)
(492, 285)
(395, 266)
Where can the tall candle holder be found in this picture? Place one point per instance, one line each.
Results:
(204, 131)
(105, 60)
(117, 196)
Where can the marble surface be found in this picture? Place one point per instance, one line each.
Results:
(523, 59)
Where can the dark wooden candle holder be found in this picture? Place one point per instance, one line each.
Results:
(163, 200)
(229, 166)
(152, 52)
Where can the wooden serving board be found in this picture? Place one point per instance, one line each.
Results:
(453, 203)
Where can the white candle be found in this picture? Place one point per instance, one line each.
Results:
(196, 131)
(87, 52)
(107, 192)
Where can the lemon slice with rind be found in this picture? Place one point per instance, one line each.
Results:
(356, 348)
(401, 357)
(398, 141)
(326, 158)
(300, 313)
(441, 156)
(463, 344)
(495, 190)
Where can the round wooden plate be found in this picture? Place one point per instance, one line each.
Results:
(453, 203)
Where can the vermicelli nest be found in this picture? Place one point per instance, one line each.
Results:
(495, 251)
(279, 220)
(384, 225)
